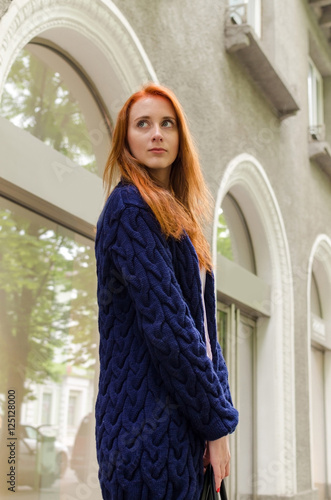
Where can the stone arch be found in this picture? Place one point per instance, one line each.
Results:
(95, 34)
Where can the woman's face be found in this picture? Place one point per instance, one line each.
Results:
(153, 135)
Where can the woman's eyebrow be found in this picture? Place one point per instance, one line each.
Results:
(146, 117)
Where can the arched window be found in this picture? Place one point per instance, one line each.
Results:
(253, 272)
(234, 243)
(48, 95)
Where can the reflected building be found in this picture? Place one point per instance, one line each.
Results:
(254, 78)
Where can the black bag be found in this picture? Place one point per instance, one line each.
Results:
(223, 494)
(208, 491)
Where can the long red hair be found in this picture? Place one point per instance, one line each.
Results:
(187, 205)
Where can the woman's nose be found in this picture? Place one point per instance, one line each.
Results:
(157, 135)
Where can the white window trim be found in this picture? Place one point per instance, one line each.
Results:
(254, 15)
(315, 97)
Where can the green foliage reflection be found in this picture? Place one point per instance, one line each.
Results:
(224, 246)
(37, 99)
(47, 301)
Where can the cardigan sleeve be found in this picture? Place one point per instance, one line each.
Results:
(140, 254)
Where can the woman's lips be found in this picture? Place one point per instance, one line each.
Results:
(157, 150)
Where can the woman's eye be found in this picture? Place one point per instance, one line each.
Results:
(142, 123)
(167, 123)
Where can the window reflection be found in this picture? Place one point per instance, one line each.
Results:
(47, 97)
(224, 245)
(48, 352)
(233, 237)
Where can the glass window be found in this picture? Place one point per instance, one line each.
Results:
(246, 405)
(319, 377)
(246, 11)
(48, 347)
(224, 245)
(233, 237)
(47, 95)
(237, 335)
(315, 101)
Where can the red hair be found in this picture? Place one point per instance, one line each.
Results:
(187, 205)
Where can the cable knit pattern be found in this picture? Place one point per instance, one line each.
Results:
(160, 396)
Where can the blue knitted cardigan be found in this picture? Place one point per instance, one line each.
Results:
(160, 396)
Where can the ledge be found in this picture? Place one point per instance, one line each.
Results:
(241, 40)
(320, 152)
(42, 179)
(237, 285)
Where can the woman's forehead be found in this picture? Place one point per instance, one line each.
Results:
(152, 105)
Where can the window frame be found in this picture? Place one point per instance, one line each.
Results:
(232, 341)
(252, 14)
(315, 99)
(323, 372)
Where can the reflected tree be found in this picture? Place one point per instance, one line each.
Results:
(48, 316)
(224, 245)
(36, 99)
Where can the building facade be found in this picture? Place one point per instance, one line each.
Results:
(254, 78)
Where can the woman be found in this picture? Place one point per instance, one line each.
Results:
(164, 407)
